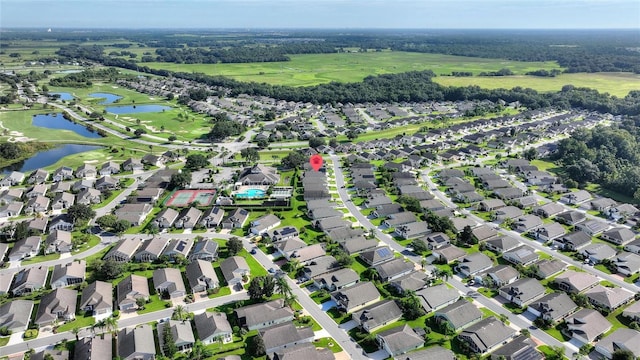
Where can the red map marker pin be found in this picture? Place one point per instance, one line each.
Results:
(316, 162)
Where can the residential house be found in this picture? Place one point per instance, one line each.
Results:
(436, 240)
(151, 249)
(109, 168)
(263, 224)
(393, 269)
(212, 217)
(621, 339)
(188, 218)
(62, 222)
(549, 209)
(38, 204)
(68, 274)
(474, 263)
(181, 334)
(287, 232)
(25, 248)
(97, 298)
(413, 230)
(58, 305)
(487, 335)
(213, 327)
(508, 213)
(306, 351)
(618, 236)
(399, 219)
(484, 232)
(356, 297)
(527, 223)
(318, 266)
(206, 249)
(430, 353)
(549, 232)
(548, 268)
(124, 250)
(436, 297)
(592, 227)
(553, 307)
(523, 255)
(571, 217)
(632, 312)
(62, 200)
(259, 316)
(522, 291)
(29, 280)
(135, 343)
(287, 247)
(133, 213)
(607, 298)
(576, 197)
(234, 269)
(337, 279)
(168, 282)
(308, 253)
(459, 314)
(153, 160)
(58, 241)
(129, 290)
(500, 275)
(201, 276)
(149, 195)
(178, 248)
(399, 340)
(94, 348)
(448, 253)
(633, 247)
(413, 281)
(39, 176)
(282, 336)
(166, 218)
(11, 209)
(15, 315)
(89, 197)
(502, 244)
(586, 325)
(627, 263)
(13, 179)
(86, 171)
(597, 252)
(491, 205)
(621, 212)
(574, 241)
(235, 219)
(575, 282)
(134, 165)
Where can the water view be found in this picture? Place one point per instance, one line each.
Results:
(134, 109)
(57, 121)
(108, 98)
(48, 157)
(63, 95)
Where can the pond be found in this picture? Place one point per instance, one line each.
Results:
(63, 95)
(57, 121)
(108, 98)
(134, 109)
(47, 157)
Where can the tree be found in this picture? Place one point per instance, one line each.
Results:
(257, 347)
(530, 154)
(80, 213)
(342, 258)
(255, 289)
(196, 162)
(466, 236)
(282, 287)
(250, 155)
(294, 159)
(111, 324)
(315, 142)
(169, 347)
(411, 307)
(107, 221)
(107, 269)
(623, 354)
(268, 285)
(180, 313)
(352, 135)
(172, 138)
(200, 352)
(139, 132)
(121, 226)
(234, 245)
(76, 332)
(419, 246)
(410, 203)
(180, 180)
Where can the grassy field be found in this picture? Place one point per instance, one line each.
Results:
(618, 84)
(313, 69)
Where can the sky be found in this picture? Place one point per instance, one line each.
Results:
(335, 14)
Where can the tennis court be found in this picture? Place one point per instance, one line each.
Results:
(187, 197)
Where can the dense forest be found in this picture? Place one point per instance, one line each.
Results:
(609, 156)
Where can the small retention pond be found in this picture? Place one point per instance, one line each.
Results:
(47, 157)
(108, 98)
(57, 121)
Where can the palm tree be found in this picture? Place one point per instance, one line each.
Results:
(76, 331)
(200, 352)
(111, 324)
(283, 288)
(179, 313)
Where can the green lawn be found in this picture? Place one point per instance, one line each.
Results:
(313, 69)
(93, 241)
(4, 340)
(223, 291)
(40, 258)
(618, 84)
(337, 316)
(328, 343)
(156, 304)
(79, 322)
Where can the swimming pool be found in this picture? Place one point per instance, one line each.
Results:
(250, 194)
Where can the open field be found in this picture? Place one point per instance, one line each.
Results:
(313, 69)
(618, 84)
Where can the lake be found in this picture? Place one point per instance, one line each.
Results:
(134, 109)
(57, 121)
(47, 157)
(63, 95)
(108, 98)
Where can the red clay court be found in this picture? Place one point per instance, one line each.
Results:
(183, 198)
